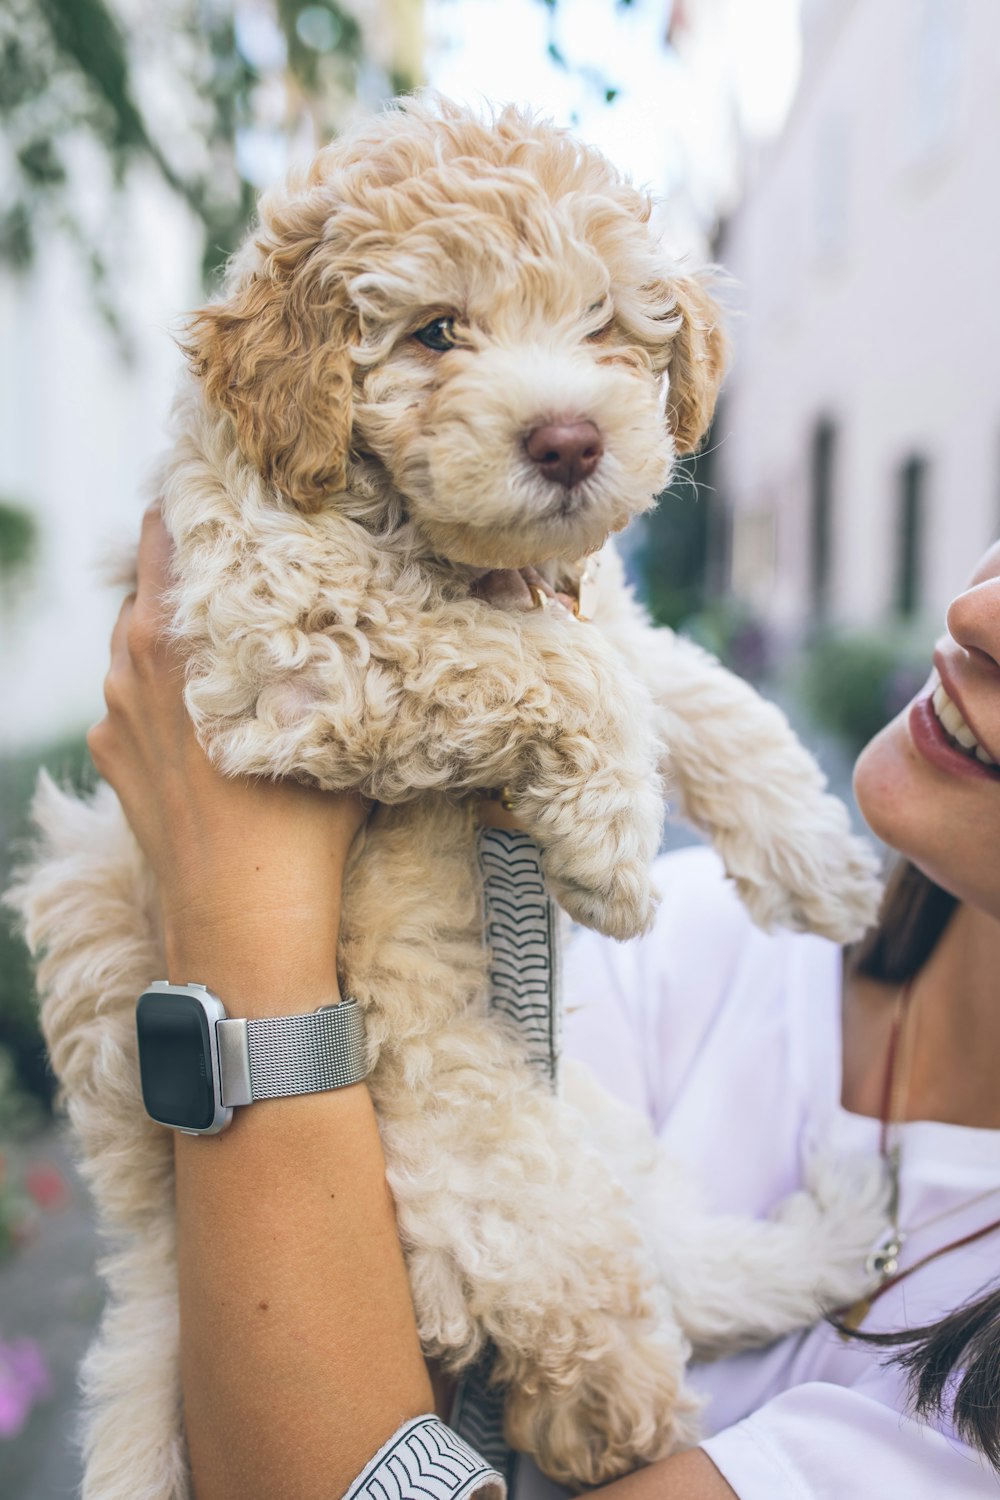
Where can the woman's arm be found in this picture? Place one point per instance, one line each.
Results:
(299, 1347)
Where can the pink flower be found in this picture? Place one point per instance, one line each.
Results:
(24, 1380)
(46, 1185)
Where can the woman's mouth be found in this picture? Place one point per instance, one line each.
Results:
(942, 737)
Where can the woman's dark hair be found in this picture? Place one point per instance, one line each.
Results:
(953, 1365)
(915, 912)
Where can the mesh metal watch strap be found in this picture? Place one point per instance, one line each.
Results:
(275, 1056)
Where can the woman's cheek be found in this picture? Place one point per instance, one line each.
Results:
(942, 826)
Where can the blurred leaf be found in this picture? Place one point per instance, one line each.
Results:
(87, 33)
(312, 30)
(18, 539)
(21, 78)
(854, 682)
(40, 164)
(17, 245)
(678, 543)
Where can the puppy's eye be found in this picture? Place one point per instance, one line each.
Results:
(438, 335)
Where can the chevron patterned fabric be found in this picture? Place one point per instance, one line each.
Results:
(520, 922)
(521, 932)
(425, 1460)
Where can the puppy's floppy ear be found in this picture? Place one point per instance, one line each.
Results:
(274, 355)
(698, 353)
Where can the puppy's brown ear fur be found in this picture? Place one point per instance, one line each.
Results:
(699, 351)
(274, 355)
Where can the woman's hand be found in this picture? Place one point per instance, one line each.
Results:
(239, 863)
(299, 1352)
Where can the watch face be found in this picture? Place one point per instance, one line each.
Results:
(175, 1060)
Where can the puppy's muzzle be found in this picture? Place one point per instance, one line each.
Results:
(566, 452)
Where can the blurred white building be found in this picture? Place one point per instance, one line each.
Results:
(79, 428)
(859, 442)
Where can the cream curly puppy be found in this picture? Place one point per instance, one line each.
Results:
(454, 346)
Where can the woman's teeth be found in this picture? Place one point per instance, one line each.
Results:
(955, 727)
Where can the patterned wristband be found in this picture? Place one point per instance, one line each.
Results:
(426, 1459)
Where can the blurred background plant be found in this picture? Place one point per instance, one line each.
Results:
(90, 93)
(854, 682)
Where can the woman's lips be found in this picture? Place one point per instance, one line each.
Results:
(932, 742)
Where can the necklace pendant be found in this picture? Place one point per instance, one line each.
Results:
(883, 1261)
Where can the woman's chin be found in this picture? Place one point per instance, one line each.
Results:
(887, 784)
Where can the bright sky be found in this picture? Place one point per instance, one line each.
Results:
(672, 124)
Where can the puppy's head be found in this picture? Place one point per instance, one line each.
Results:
(480, 311)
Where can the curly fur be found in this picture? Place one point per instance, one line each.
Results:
(333, 490)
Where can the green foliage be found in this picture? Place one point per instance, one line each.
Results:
(72, 74)
(730, 631)
(675, 554)
(313, 32)
(67, 83)
(86, 35)
(18, 540)
(855, 682)
(20, 1111)
(68, 762)
(594, 78)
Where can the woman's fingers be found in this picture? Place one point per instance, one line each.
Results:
(155, 552)
(153, 573)
(119, 632)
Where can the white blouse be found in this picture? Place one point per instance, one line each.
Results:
(730, 1040)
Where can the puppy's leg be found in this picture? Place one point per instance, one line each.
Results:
(596, 811)
(736, 1282)
(584, 778)
(134, 1426)
(470, 697)
(742, 776)
(87, 901)
(517, 1233)
(738, 772)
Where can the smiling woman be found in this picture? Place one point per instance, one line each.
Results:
(749, 1052)
(927, 783)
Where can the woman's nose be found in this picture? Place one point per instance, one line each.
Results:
(974, 619)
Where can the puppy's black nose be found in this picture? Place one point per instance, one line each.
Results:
(566, 452)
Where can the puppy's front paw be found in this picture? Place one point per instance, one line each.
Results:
(847, 900)
(622, 907)
(626, 1408)
(599, 839)
(841, 1214)
(821, 878)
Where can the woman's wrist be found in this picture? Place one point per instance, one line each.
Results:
(259, 963)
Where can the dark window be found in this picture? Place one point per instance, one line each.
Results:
(910, 535)
(821, 481)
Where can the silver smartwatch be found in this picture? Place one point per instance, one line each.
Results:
(196, 1064)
